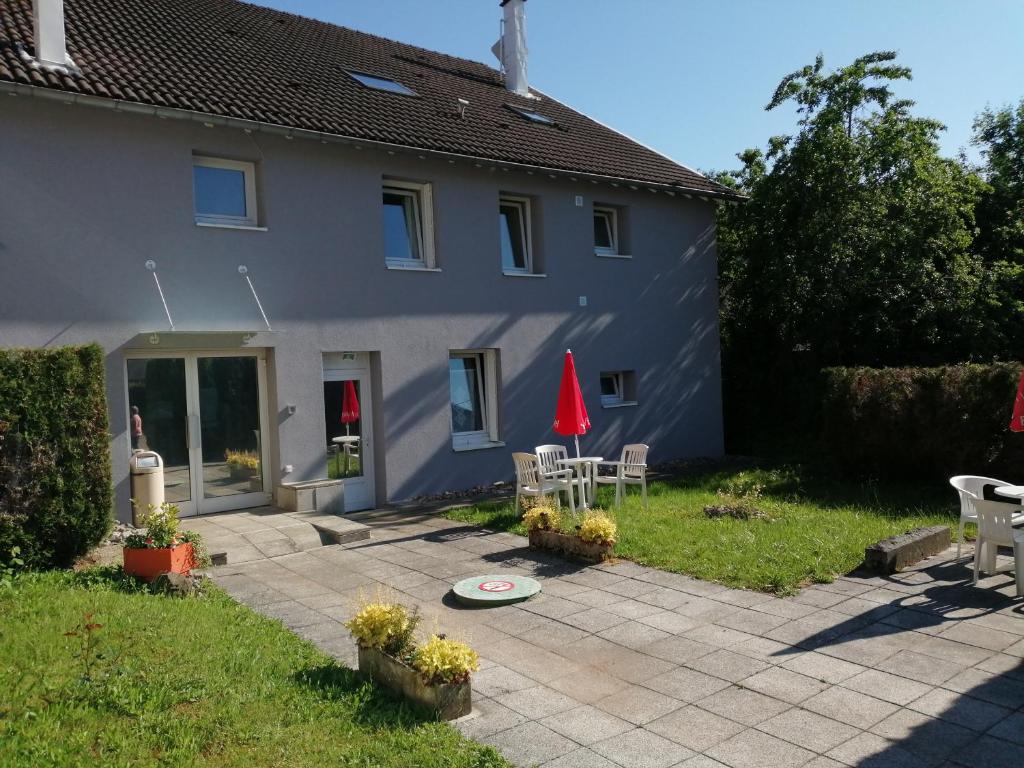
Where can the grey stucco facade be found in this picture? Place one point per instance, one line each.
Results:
(91, 195)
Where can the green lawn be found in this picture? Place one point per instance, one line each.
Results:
(815, 528)
(336, 466)
(190, 682)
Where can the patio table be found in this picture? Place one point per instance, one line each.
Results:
(1013, 491)
(585, 468)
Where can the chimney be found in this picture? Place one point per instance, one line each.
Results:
(51, 46)
(511, 48)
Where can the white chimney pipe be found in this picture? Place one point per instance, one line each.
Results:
(511, 48)
(51, 44)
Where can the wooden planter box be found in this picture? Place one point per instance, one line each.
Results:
(570, 545)
(149, 563)
(447, 700)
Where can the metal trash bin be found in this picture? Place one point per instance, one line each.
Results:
(147, 471)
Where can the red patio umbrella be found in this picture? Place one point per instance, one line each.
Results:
(1017, 420)
(571, 412)
(349, 404)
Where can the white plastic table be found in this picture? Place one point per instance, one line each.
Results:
(586, 468)
(1014, 491)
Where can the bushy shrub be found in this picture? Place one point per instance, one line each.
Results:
(921, 423)
(598, 528)
(55, 490)
(440, 660)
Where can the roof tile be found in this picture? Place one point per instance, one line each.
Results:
(235, 59)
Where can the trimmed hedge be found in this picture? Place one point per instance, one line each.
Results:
(55, 486)
(921, 423)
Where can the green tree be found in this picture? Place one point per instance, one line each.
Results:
(854, 246)
(1000, 240)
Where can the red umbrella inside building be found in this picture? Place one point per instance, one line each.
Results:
(349, 404)
(571, 412)
(1017, 420)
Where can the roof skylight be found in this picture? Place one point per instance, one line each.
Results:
(380, 83)
(535, 117)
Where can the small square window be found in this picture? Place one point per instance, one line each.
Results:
(606, 231)
(473, 381)
(224, 192)
(514, 231)
(381, 83)
(408, 228)
(618, 388)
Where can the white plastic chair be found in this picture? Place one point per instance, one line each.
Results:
(971, 488)
(995, 529)
(550, 458)
(631, 469)
(530, 481)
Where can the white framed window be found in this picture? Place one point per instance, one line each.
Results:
(618, 388)
(473, 379)
(408, 225)
(606, 231)
(224, 192)
(514, 229)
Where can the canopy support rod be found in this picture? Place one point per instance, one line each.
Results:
(151, 266)
(244, 272)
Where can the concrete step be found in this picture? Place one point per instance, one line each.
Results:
(267, 532)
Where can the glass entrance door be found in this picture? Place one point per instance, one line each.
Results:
(204, 414)
(159, 421)
(348, 415)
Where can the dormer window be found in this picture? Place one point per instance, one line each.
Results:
(533, 117)
(380, 83)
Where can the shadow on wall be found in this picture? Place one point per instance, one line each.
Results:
(679, 397)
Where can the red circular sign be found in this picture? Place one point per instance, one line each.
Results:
(497, 586)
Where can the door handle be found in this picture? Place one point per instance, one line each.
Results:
(193, 431)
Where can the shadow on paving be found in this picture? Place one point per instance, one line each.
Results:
(971, 731)
(979, 726)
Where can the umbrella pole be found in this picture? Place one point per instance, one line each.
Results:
(577, 437)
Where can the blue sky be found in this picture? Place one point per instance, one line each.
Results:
(691, 77)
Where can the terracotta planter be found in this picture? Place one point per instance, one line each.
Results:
(149, 563)
(447, 700)
(572, 546)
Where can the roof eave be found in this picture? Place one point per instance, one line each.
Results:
(212, 119)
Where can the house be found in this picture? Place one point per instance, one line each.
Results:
(310, 252)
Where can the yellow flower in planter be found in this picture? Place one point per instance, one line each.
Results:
(441, 660)
(598, 528)
(542, 517)
(388, 627)
(242, 460)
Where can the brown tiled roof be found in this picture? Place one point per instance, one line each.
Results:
(237, 60)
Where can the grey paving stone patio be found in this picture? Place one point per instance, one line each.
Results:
(622, 665)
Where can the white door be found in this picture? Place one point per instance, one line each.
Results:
(205, 414)
(348, 411)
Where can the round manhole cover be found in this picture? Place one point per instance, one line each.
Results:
(495, 590)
